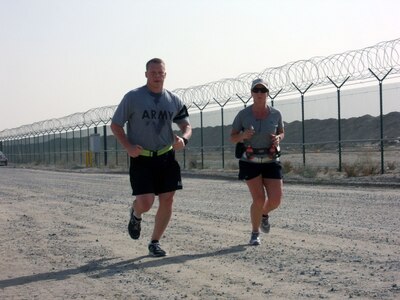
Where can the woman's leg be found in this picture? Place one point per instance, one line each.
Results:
(257, 192)
(274, 194)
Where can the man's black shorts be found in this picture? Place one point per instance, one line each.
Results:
(249, 170)
(155, 175)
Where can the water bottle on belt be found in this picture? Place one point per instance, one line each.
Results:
(249, 150)
(274, 151)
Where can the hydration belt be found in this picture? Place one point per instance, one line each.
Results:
(160, 152)
(261, 151)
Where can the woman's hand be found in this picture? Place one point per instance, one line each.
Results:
(275, 139)
(247, 134)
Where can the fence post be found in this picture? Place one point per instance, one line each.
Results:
(339, 119)
(66, 145)
(54, 146)
(381, 115)
(105, 144)
(222, 130)
(80, 145)
(201, 132)
(49, 146)
(244, 102)
(273, 98)
(302, 120)
(73, 145)
(60, 145)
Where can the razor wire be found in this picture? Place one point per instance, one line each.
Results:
(354, 64)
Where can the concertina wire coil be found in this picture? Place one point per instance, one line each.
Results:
(355, 65)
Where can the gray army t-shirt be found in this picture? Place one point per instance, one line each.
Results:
(149, 117)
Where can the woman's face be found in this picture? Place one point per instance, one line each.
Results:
(259, 93)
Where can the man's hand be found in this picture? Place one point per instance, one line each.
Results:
(134, 150)
(179, 143)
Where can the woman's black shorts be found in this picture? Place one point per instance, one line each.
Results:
(249, 170)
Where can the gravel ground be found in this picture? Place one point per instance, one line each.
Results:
(63, 236)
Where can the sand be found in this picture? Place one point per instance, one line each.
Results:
(64, 236)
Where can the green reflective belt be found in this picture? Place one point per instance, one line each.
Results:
(160, 152)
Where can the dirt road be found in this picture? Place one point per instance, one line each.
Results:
(63, 236)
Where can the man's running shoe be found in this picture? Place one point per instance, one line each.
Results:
(255, 239)
(155, 250)
(265, 226)
(134, 226)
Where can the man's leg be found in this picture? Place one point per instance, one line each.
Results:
(142, 204)
(163, 215)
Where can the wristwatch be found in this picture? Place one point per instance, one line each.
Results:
(185, 140)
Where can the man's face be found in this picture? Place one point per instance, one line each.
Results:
(155, 75)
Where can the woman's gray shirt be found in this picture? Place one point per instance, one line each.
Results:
(263, 127)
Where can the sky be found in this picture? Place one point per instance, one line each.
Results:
(60, 57)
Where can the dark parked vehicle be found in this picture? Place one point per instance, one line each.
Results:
(3, 159)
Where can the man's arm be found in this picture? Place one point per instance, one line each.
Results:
(119, 133)
(186, 130)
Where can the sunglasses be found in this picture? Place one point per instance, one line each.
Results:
(258, 90)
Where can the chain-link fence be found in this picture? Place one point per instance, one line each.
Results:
(301, 90)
